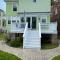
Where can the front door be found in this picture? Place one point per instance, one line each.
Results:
(28, 20)
(33, 22)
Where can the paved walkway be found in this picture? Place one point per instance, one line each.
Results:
(30, 54)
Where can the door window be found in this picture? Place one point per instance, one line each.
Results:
(28, 20)
(33, 22)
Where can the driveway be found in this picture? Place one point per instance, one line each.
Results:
(30, 54)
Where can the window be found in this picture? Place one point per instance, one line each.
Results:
(34, 0)
(43, 20)
(9, 21)
(4, 23)
(14, 7)
(22, 19)
(17, 21)
(13, 21)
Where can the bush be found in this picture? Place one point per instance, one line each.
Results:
(7, 39)
(17, 42)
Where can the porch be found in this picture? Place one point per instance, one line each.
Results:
(46, 28)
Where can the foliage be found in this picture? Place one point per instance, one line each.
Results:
(17, 42)
(2, 36)
(49, 46)
(56, 58)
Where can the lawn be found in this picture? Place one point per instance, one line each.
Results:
(7, 56)
(56, 58)
(49, 46)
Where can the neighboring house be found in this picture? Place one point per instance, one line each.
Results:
(2, 21)
(32, 19)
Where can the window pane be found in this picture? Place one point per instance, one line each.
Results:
(34, 0)
(13, 21)
(44, 20)
(4, 22)
(22, 19)
(14, 7)
(9, 21)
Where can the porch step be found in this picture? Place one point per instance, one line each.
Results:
(32, 40)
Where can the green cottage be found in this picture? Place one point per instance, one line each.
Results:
(31, 20)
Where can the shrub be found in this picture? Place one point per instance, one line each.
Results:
(17, 42)
(7, 39)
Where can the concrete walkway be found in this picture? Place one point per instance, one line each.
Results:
(30, 54)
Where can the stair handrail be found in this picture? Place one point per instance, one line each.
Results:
(39, 30)
(26, 27)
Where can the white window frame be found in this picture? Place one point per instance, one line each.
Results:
(43, 17)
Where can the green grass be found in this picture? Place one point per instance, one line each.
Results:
(2, 36)
(7, 56)
(56, 58)
(49, 46)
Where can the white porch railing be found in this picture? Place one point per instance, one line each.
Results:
(45, 26)
(39, 30)
(49, 27)
(25, 33)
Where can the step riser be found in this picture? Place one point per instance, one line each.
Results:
(32, 46)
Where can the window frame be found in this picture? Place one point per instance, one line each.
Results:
(14, 6)
(22, 21)
(44, 17)
(9, 21)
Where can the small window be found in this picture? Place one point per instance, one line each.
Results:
(17, 21)
(22, 19)
(34, 0)
(13, 21)
(4, 23)
(9, 21)
(14, 7)
(43, 20)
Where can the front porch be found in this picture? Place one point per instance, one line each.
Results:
(31, 30)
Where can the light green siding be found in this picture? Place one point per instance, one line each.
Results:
(30, 6)
(9, 9)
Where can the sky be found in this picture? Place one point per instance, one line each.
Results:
(2, 5)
